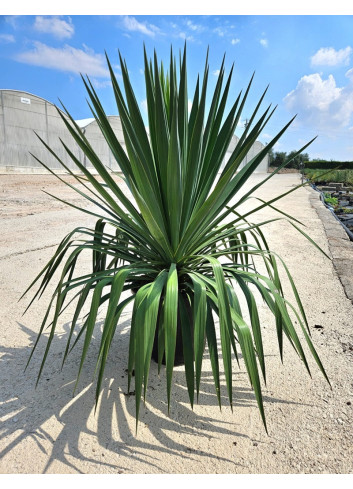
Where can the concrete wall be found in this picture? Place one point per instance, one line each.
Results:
(22, 113)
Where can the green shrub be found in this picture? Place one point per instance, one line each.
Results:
(173, 247)
(331, 200)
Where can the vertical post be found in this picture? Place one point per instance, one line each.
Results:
(84, 154)
(3, 116)
(301, 169)
(46, 122)
(246, 123)
(4, 163)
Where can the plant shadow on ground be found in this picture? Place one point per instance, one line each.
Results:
(27, 409)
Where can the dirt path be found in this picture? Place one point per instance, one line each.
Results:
(45, 430)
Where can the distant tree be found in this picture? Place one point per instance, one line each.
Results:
(279, 157)
(297, 160)
(318, 159)
(271, 156)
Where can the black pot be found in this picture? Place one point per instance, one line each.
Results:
(187, 317)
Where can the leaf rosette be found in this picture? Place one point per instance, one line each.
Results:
(179, 243)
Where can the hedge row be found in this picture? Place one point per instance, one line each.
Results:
(329, 165)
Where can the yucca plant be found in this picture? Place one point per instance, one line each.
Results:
(180, 244)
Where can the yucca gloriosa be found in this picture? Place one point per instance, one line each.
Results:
(180, 244)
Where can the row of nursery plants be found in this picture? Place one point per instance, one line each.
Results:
(181, 248)
(334, 176)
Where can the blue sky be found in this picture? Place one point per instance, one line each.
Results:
(306, 59)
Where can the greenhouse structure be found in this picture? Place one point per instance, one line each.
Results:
(23, 114)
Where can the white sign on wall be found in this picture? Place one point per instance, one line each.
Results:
(25, 100)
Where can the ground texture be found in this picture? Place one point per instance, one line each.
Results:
(46, 430)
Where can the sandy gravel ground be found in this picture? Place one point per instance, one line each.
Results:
(46, 430)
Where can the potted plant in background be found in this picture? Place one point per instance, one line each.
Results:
(181, 245)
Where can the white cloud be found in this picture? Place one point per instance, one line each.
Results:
(144, 105)
(7, 38)
(12, 20)
(56, 26)
(183, 35)
(313, 92)
(241, 124)
(100, 83)
(131, 24)
(331, 57)
(235, 41)
(349, 74)
(215, 72)
(264, 43)
(67, 58)
(191, 26)
(219, 31)
(320, 103)
(194, 27)
(302, 141)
